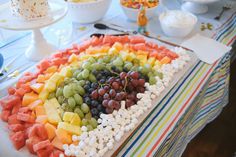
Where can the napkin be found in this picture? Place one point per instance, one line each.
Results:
(206, 49)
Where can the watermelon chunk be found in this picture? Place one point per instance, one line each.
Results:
(13, 119)
(25, 117)
(31, 142)
(18, 139)
(9, 101)
(11, 90)
(38, 130)
(16, 127)
(5, 115)
(41, 145)
(46, 152)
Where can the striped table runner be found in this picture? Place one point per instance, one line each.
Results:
(195, 101)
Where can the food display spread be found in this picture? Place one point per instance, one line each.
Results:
(81, 101)
(29, 9)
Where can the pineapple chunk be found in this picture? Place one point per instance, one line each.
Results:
(72, 118)
(51, 107)
(66, 71)
(131, 56)
(113, 51)
(67, 117)
(142, 58)
(151, 61)
(50, 86)
(124, 55)
(76, 120)
(43, 94)
(73, 129)
(55, 77)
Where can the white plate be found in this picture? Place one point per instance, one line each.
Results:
(57, 11)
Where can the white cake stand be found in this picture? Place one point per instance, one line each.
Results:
(39, 47)
(197, 6)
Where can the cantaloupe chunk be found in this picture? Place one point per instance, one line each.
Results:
(51, 69)
(39, 110)
(36, 103)
(43, 119)
(51, 110)
(56, 142)
(29, 98)
(118, 46)
(37, 87)
(63, 136)
(165, 60)
(51, 130)
(72, 129)
(73, 58)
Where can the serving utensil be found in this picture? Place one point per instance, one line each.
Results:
(103, 26)
(226, 7)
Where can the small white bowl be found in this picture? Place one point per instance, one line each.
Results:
(132, 14)
(177, 23)
(88, 12)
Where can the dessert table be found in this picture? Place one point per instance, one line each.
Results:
(196, 100)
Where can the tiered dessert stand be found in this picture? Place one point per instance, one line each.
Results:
(39, 47)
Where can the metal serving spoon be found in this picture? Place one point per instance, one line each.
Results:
(104, 27)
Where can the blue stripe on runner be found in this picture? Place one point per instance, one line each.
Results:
(160, 109)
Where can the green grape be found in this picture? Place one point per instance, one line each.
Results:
(84, 122)
(150, 74)
(118, 62)
(156, 73)
(71, 102)
(75, 74)
(67, 80)
(60, 99)
(152, 80)
(64, 106)
(134, 68)
(91, 60)
(85, 108)
(59, 92)
(98, 66)
(89, 127)
(119, 68)
(106, 59)
(143, 70)
(78, 99)
(67, 91)
(85, 73)
(128, 65)
(100, 60)
(79, 76)
(51, 95)
(88, 116)
(86, 65)
(81, 83)
(93, 122)
(148, 67)
(80, 89)
(79, 112)
(92, 78)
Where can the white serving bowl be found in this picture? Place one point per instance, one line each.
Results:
(88, 12)
(174, 26)
(132, 14)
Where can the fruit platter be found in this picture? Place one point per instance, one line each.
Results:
(88, 99)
